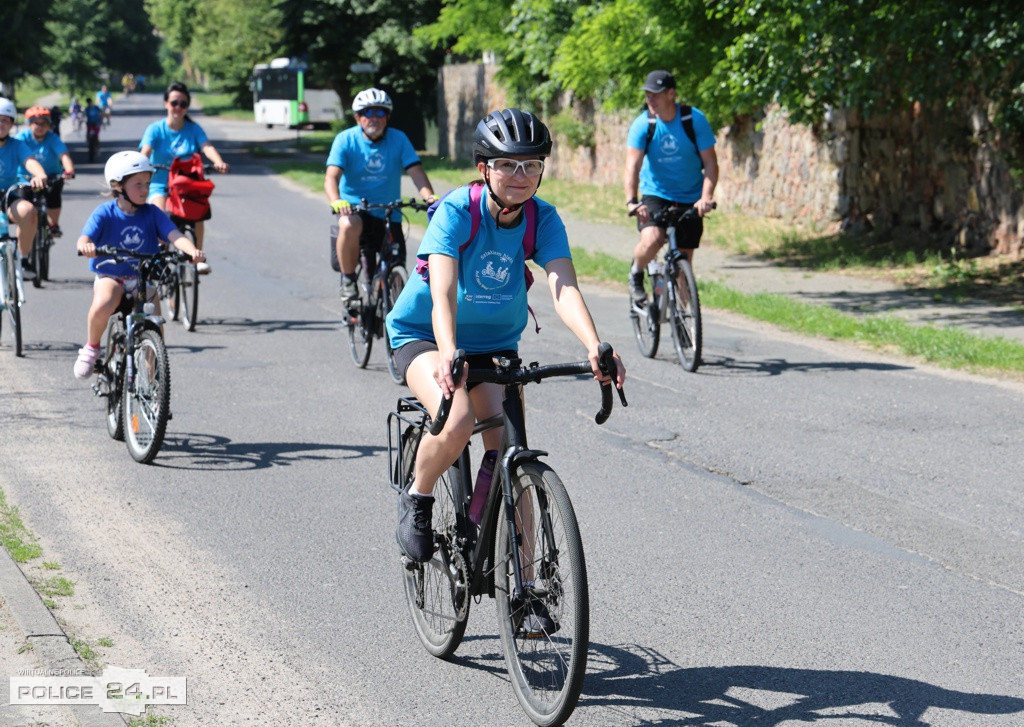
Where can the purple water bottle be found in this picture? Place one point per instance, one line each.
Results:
(483, 486)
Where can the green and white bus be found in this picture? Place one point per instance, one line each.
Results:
(281, 97)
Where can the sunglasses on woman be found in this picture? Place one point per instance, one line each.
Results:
(179, 104)
(508, 167)
(374, 113)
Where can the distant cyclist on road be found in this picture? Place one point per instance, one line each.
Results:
(368, 161)
(15, 153)
(52, 153)
(106, 104)
(670, 159)
(178, 137)
(474, 298)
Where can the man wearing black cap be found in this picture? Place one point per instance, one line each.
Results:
(670, 159)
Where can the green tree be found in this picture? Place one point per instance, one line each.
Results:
(24, 34)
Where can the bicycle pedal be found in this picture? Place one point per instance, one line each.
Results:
(408, 563)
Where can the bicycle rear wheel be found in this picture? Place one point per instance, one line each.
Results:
(188, 278)
(438, 591)
(546, 669)
(396, 281)
(685, 315)
(170, 294)
(113, 369)
(646, 320)
(147, 400)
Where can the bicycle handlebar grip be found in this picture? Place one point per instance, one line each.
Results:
(606, 364)
(438, 422)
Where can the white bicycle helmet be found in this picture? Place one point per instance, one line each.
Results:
(371, 98)
(124, 164)
(7, 108)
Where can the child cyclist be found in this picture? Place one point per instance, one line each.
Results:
(130, 223)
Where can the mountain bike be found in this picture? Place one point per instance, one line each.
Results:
(179, 292)
(378, 290)
(44, 239)
(134, 373)
(527, 553)
(671, 297)
(12, 286)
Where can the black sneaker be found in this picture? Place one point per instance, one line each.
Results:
(532, 620)
(55, 231)
(415, 538)
(28, 272)
(348, 290)
(636, 288)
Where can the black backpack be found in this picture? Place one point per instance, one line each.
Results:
(686, 116)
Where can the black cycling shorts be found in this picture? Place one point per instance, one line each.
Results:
(24, 191)
(404, 356)
(373, 233)
(688, 232)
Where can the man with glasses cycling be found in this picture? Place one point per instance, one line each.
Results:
(367, 161)
(670, 159)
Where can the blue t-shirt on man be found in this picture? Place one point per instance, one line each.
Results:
(140, 232)
(372, 169)
(47, 152)
(12, 156)
(491, 298)
(672, 167)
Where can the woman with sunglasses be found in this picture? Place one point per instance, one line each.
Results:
(177, 137)
(474, 298)
(365, 162)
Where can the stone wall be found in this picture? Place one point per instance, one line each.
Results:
(931, 171)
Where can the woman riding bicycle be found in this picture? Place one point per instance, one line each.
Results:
(473, 297)
(177, 137)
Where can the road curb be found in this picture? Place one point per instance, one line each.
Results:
(49, 643)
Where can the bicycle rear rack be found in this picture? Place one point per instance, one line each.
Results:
(405, 423)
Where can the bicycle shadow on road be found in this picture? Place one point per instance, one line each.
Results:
(633, 677)
(728, 366)
(265, 325)
(190, 451)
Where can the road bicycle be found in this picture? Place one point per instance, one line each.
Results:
(365, 314)
(672, 297)
(12, 285)
(39, 258)
(179, 292)
(133, 372)
(527, 553)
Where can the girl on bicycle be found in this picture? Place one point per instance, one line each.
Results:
(129, 223)
(474, 298)
(177, 137)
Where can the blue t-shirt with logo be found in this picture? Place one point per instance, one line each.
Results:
(372, 169)
(491, 299)
(140, 232)
(12, 156)
(672, 167)
(169, 145)
(103, 99)
(47, 152)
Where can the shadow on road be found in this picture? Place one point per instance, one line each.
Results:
(212, 452)
(728, 366)
(636, 677)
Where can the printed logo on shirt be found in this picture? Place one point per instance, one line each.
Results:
(132, 238)
(495, 272)
(374, 163)
(669, 146)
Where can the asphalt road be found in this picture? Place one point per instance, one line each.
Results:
(798, 532)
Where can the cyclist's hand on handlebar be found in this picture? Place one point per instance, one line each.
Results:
(38, 182)
(69, 175)
(443, 375)
(86, 248)
(704, 206)
(619, 377)
(222, 167)
(341, 207)
(197, 256)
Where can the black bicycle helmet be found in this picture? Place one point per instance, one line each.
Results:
(510, 132)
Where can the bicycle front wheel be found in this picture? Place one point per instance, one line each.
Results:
(43, 271)
(545, 632)
(13, 299)
(686, 326)
(113, 369)
(646, 320)
(438, 590)
(359, 319)
(396, 281)
(189, 282)
(36, 255)
(147, 399)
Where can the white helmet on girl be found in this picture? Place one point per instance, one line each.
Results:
(124, 164)
(371, 98)
(7, 108)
